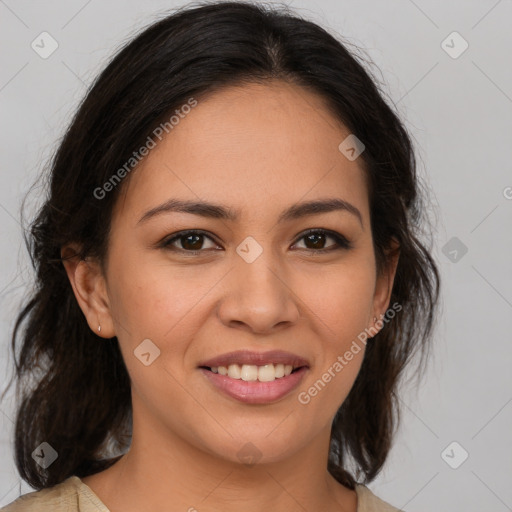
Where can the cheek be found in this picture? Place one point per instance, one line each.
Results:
(339, 300)
(339, 304)
(154, 300)
(153, 303)
(321, 396)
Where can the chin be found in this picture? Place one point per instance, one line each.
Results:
(256, 446)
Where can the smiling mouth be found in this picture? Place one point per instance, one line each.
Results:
(254, 373)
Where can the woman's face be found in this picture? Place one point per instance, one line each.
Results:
(256, 283)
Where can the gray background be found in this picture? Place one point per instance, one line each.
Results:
(459, 113)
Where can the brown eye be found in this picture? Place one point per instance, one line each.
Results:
(190, 241)
(315, 240)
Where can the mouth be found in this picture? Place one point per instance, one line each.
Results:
(255, 378)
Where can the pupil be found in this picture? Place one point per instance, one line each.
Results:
(315, 240)
(194, 244)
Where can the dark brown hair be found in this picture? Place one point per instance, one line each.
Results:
(73, 387)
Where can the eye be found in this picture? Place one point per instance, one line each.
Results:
(191, 241)
(315, 240)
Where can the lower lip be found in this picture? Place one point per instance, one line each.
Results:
(256, 392)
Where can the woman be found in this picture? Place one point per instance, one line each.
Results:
(229, 279)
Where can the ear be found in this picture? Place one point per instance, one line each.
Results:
(384, 283)
(89, 287)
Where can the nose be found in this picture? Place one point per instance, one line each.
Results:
(258, 297)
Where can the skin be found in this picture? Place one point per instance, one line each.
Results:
(258, 149)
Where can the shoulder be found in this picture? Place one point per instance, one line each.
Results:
(368, 502)
(71, 495)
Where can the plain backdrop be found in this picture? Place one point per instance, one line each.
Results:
(456, 103)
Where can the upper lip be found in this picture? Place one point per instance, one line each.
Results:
(256, 358)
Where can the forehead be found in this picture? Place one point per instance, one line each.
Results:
(251, 147)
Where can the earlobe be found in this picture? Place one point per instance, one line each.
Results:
(88, 283)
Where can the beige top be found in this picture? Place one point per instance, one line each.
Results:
(73, 495)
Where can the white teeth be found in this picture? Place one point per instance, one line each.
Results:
(234, 371)
(266, 373)
(251, 372)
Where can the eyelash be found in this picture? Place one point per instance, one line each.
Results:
(341, 241)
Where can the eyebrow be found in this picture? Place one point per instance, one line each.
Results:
(217, 211)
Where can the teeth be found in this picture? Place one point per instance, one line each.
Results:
(251, 372)
(234, 371)
(266, 373)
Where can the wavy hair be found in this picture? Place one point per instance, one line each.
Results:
(73, 391)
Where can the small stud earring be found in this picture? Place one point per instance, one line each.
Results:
(99, 328)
